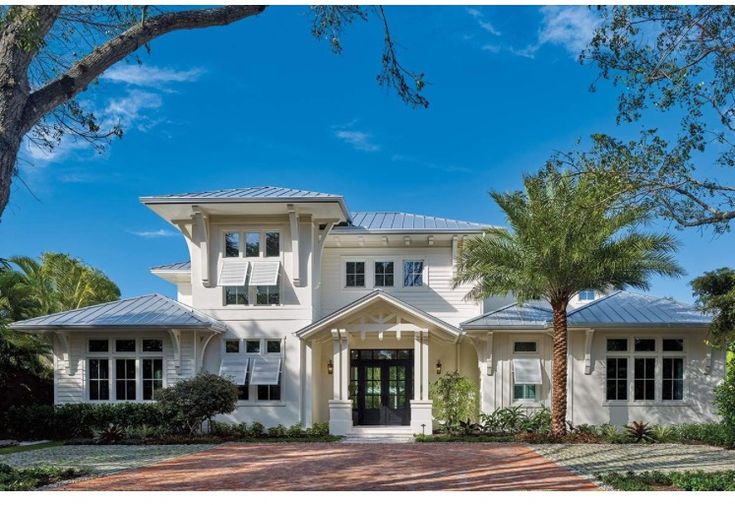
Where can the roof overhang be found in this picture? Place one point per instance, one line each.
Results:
(374, 297)
(173, 276)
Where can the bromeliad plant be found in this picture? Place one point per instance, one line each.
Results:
(567, 233)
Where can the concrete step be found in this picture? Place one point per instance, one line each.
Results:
(379, 434)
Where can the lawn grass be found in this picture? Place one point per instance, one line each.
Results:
(23, 448)
(684, 481)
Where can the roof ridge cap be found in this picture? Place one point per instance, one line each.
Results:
(595, 302)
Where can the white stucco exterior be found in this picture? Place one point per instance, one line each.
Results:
(424, 320)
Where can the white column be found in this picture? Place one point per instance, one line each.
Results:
(424, 365)
(417, 365)
(308, 377)
(336, 361)
(344, 366)
(340, 407)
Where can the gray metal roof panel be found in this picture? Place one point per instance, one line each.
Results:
(366, 222)
(620, 308)
(255, 193)
(182, 266)
(148, 311)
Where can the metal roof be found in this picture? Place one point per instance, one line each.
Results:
(376, 222)
(257, 193)
(182, 266)
(620, 308)
(147, 311)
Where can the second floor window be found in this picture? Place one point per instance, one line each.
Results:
(272, 244)
(384, 274)
(413, 273)
(232, 244)
(267, 295)
(252, 244)
(587, 295)
(355, 274)
(236, 295)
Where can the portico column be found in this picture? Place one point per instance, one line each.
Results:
(340, 406)
(421, 417)
(417, 365)
(425, 365)
(336, 365)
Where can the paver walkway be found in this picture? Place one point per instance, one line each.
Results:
(421, 466)
(590, 459)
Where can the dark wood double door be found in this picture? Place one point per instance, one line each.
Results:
(381, 386)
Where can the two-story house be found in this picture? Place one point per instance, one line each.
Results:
(319, 314)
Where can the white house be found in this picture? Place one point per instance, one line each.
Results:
(319, 314)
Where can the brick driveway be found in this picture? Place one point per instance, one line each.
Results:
(380, 467)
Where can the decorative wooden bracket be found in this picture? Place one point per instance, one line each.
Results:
(201, 224)
(590, 334)
(176, 341)
(65, 351)
(489, 353)
(200, 358)
(293, 219)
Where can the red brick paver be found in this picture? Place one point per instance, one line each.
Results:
(314, 467)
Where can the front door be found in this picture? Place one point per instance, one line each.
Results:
(381, 386)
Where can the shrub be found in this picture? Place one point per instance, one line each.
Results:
(318, 430)
(30, 422)
(25, 479)
(505, 420)
(455, 399)
(277, 431)
(538, 422)
(705, 433)
(110, 434)
(295, 431)
(638, 432)
(687, 481)
(256, 430)
(725, 401)
(193, 401)
(612, 434)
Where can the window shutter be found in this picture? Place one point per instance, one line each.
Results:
(526, 371)
(266, 372)
(233, 273)
(235, 370)
(265, 273)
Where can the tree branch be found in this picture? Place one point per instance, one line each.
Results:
(78, 77)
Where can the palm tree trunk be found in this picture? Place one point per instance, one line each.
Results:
(559, 372)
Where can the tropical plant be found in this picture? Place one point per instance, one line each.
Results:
(110, 434)
(196, 400)
(725, 401)
(455, 398)
(567, 234)
(638, 432)
(715, 294)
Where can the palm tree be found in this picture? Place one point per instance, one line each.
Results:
(566, 234)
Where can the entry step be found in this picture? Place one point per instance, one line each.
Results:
(379, 435)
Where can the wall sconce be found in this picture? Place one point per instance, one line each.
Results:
(438, 367)
(330, 367)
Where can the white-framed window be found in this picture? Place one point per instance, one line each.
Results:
(587, 295)
(232, 244)
(262, 359)
(384, 273)
(526, 370)
(252, 244)
(355, 274)
(272, 244)
(413, 273)
(236, 295)
(645, 369)
(124, 369)
(268, 295)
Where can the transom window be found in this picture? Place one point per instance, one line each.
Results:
(252, 346)
(355, 274)
(384, 274)
(152, 345)
(645, 345)
(273, 346)
(673, 344)
(413, 273)
(232, 244)
(127, 345)
(96, 345)
(232, 346)
(617, 344)
(529, 346)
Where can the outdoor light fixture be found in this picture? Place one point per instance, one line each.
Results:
(438, 367)
(330, 367)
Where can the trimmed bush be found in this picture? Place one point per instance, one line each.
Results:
(26, 479)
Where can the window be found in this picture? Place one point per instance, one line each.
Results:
(272, 244)
(355, 274)
(587, 295)
(252, 244)
(152, 377)
(384, 274)
(98, 346)
(273, 346)
(267, 295)
(645, 345)
(617, 378)
(243, 392)
(524, 391)
(232, 346)
(125, 379)
(99, 377)
(125, 345)
(524, 346)
(644, 379)
(236, 295)
(271, 392)
(672, 383)
(232, 244)
(152, 345)
(673, 344)
(252, 346)
(413, 273)
(617, 344)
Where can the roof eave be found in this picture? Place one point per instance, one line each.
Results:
(97, 327)
(429, 231)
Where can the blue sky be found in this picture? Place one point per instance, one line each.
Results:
(261, 102)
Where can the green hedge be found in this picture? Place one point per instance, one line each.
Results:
(687, 481)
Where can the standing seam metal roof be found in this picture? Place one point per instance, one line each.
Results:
(182, 266)
(148, 311)
(620, 308)
(404, 221)
(255, 193)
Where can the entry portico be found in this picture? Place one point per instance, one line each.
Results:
(379, 352)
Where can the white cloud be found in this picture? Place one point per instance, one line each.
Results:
(571, 27)
(484, 23)
(145, 75)
(128, 110)
(492, 48)
(359, 140)
(155, 233)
